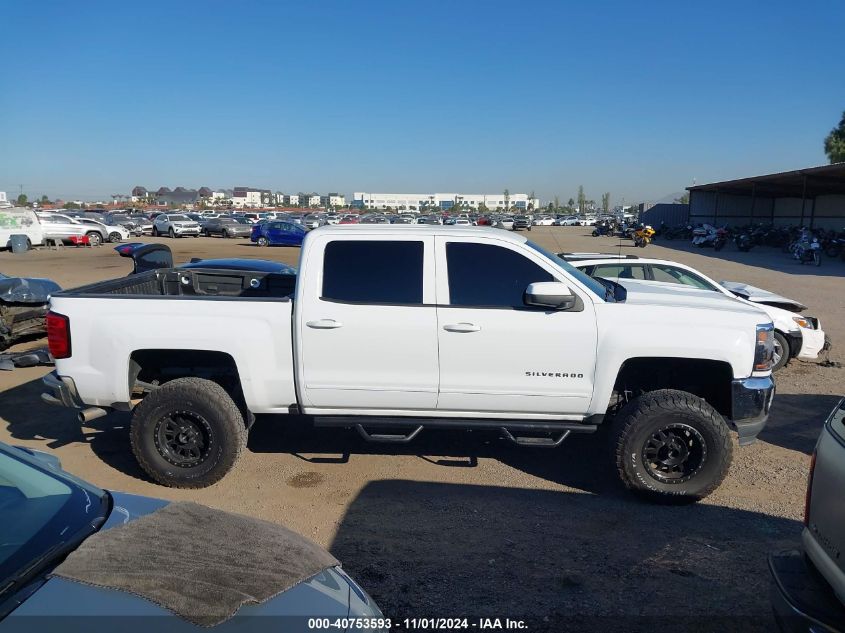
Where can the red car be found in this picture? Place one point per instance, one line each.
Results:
(349, 219)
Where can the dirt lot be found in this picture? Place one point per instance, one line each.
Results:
(465, 524)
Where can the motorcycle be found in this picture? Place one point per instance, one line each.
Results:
(809, 252)
(721, 239)
(744, 242)
(643, 236)
(704, 235)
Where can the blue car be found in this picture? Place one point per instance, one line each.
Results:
(48, 516)
(277, 233)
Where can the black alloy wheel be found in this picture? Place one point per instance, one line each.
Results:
(183, 438)
(674, 454)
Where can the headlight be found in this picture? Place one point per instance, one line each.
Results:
(803, 322)
(764, 349)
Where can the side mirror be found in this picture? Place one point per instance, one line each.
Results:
(549, 294)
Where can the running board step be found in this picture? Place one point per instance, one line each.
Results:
(388, 438)
(544, 442)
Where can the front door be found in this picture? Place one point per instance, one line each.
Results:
(498, 355)
(368, 327)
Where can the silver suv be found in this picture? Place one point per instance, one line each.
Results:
(808, 592)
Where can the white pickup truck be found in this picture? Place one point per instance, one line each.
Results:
(390, 330)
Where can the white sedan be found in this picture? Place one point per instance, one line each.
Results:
(796, 335)
(544, 220)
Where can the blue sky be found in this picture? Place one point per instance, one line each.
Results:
(635, 98)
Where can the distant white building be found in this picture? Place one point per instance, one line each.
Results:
(333, 200)
(4, 201)
(248, 197)
(309, 199)
(443, 201)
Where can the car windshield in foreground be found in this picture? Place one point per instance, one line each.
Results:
(49, 510)
(600, 289)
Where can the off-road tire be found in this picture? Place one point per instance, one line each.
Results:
(786, 351)
(651, 412)
(207, 401)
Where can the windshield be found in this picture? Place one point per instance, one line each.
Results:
(48, 508)
(179, 218)
(597, 287)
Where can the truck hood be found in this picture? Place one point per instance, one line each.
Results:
(328, 594)
(758, 295)
(657, 293)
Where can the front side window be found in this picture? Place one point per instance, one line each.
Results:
(485, 275)
(373, 272)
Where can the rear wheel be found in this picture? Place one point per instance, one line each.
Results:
(226, 233)
(671, 446)
(94, 238)
(155, 232)
(188, 433)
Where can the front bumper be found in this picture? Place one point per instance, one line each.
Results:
(60, 391)
(801, 600)
(186, 230)
(751, 399)
(814, 341)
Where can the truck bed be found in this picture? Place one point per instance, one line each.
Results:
(197, 283)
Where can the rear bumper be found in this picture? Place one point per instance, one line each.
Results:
(60, 391)
(751, 399)
(802, 602)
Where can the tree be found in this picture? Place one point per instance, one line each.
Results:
(582, 199)
(550, 208)
(684, 199)
(557, 204)
(834, 143)
(571, 203)
(22, 200)
(605, 202)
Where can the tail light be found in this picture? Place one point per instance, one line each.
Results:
(58, 335)
(809, 490)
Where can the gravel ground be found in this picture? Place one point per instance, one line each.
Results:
(464, 524)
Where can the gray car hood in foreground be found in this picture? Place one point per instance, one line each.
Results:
(66, 605)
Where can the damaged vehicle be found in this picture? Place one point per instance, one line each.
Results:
(23, 306)
(73, 551)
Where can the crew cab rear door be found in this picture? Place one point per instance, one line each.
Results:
(367, 324)
(498, 355)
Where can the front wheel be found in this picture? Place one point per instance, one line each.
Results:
(155, 232)
(595, 233)
(263, 241)
(226, 233)
(817, 258)
(671, 446)
(188, 433)
(114, 238)
(171, 233)
(782, 352)
(94, 238)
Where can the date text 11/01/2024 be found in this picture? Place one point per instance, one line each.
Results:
(414, 624)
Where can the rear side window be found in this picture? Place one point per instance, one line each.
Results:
(670, 274)
(619, 271)
(373, 272)
(484, 275)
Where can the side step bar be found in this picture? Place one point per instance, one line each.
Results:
(515, 431)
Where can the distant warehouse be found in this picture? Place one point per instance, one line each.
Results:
(813, 197)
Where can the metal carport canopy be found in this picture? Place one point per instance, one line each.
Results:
(823, 180)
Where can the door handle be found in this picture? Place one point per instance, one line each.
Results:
(324, 324)
(462, 327)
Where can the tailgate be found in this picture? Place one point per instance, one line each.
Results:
(824, 537)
